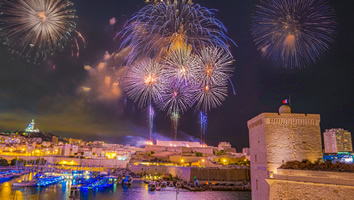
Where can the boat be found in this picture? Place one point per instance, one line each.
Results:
(105, 185)
(25, 184)
(164, 184)
(152, 186)
(171, 184)
(147, 181)
(178, 185)
(127, 180)
(158, 188)
(74, 193)
(87, 187)
(48, 180)
(6, 177)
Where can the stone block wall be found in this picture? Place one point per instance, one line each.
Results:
(305, 184)
(276, 138)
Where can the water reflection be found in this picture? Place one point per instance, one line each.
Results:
(138, 190)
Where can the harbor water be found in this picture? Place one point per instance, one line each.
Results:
(138, 190)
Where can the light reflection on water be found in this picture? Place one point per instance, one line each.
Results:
(138, 190)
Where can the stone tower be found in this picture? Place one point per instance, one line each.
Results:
(276, 138)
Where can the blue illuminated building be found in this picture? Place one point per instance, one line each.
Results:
(343, 157)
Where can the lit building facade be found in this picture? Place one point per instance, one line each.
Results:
(343, 157)
(276, 138)
(224, 145)
(177, 143)
(337, 140)
(30, 128)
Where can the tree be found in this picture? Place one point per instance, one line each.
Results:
(4, 162)
(198, 154)
(13, 161)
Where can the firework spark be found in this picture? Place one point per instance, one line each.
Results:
(293, 33)
(158, 28)
(180, 66)
(176, 98)
(214, 70)
(143, 82)
(37, 28)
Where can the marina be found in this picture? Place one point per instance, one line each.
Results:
(101, 187)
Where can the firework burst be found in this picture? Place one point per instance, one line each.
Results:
(214, 70)
(37, 28)
(143, 82)
(158, 28)
(180, 66)
(176, 98)
(293, 33)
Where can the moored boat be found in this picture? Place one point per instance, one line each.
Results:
(164, 184)
(152, 186)
(127, 180)
(178, 185)
(171, 184)
(25, 184)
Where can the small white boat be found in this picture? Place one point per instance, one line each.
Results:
(158, 188)
(171, 184)
(25, 184)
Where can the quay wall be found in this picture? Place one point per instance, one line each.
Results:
(187, 174)
(306, 184)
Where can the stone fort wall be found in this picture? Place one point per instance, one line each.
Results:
(305, 184)
(276, 138)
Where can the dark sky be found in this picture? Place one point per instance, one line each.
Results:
(54, 98)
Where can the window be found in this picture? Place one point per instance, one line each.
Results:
(255, 158)
(256, 184)
(293, 146)
(294, 155)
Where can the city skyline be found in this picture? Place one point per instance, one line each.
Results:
(51, 92)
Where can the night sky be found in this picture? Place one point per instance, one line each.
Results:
(51, 91)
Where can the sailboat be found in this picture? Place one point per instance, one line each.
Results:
(26, 182)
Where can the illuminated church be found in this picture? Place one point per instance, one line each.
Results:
(30, 128)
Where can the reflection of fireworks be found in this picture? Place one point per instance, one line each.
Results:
(36, 27)
(180, 66)
(293, 33)
(143, 82)
(167, 26)
(214, 70)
